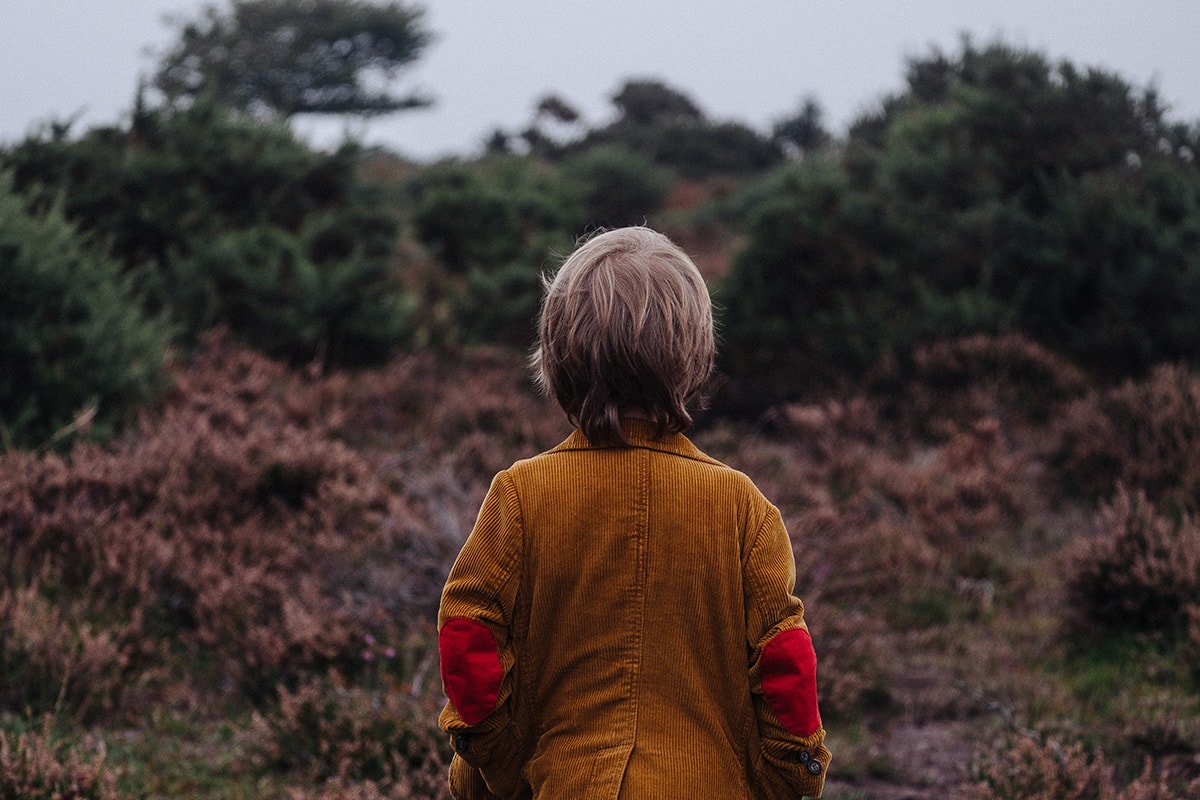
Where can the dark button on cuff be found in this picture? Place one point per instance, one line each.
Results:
(803, 756)
(461, 743)
(814, 767)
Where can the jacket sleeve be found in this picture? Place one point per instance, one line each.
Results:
(477, 658)
(782, 670)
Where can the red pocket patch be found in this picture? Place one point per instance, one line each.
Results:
(470, 667)
(789, 680)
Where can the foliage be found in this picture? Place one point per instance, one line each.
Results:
(617, 187)
(254, 569)
(1141, 572)
(217, 220)
(648, 102)
(226, 532)
(77, 354)
(786, 302)
(330, 730)
(946, 385)
(1141, 434)
(1036, 770)
(493, 226)
(805, 130)
(34, 765)
(664, 125)
(998, 193)
(286, 57)
(465, 221)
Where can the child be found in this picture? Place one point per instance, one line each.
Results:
(620, 622)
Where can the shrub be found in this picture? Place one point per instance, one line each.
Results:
(229, 527)
(666, 126)
(500, 305)
(1141, 434)
(947, 385)
(57, 659)
(223, 219)
(331, 731)
(616, 186)
(74, 345)
(1141, 571)
(1037, 770)
(791, 317)
(994, 194)
(290, 297)
(465, 221)
(36, 766)
(493, 227)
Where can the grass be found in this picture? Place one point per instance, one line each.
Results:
(177, 756)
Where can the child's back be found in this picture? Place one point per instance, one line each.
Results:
(621, 623)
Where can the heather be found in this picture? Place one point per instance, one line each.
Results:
(240, 590)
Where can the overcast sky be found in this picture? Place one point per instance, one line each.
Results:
(751, 61)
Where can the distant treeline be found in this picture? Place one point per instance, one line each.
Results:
(998, 192)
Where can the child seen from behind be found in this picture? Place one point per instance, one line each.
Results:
(621, 621)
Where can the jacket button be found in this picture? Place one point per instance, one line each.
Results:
(814, 767)
(461, 743)
(802, 756)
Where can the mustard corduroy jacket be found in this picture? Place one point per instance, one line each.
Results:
(621, 623)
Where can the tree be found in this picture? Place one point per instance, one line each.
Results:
(666, 126)
(290, 57)
(648, 102)
(999, 193)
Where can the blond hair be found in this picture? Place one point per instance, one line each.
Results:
(626, 327)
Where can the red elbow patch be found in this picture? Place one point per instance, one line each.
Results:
(789, 681)
(470, 667)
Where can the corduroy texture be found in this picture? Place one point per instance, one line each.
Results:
(630, 592)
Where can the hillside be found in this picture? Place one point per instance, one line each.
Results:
(238, 596)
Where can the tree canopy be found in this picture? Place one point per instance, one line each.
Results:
(288, 57)
(1000, 192)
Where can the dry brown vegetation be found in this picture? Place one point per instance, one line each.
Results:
(236, 598)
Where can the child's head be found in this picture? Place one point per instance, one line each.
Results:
(626, 328)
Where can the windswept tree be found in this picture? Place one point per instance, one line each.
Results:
(650, 102)
(287, 57)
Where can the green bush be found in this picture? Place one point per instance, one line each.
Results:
(466, 221)
(75, 348)
(216, 219)
(265, 285)
(493, 226)
(617, 187)
(798, 302)
(500, 305)
(999, 193)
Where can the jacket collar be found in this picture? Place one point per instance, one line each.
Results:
(640, 433)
